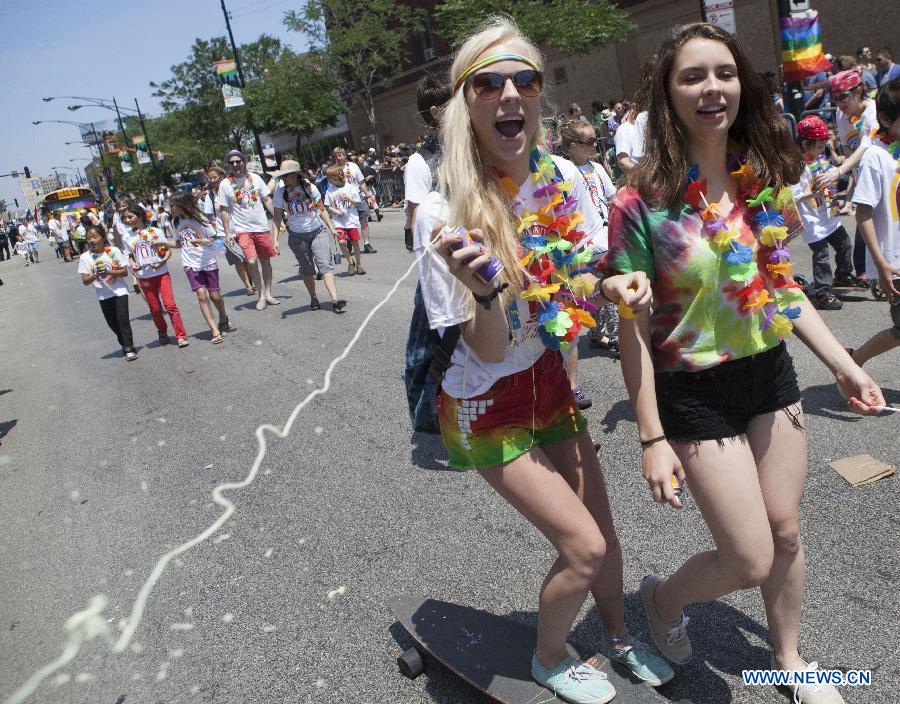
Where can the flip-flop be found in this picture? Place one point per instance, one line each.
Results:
(217, 340)
(183, 342)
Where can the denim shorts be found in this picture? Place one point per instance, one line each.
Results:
(720, 402)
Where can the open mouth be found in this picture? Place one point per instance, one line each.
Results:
(711, 110)
(510, 126)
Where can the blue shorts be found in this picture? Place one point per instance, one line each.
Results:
(32, 246)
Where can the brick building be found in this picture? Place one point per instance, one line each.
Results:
(612, 71)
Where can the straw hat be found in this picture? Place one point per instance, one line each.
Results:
(288, 166)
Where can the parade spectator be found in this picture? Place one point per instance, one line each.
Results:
(876, 214)
(243, 201)
(420, 174)
(822, 225)
(713, 385)
(856, 122)
(355, 179)
(576, 113)
(5, 254)
(505, 408)
(214, 176)
(775, 89)
(308, 238)
(887, 69)
(105, 267)
(148, 256)
(867, 66)
(59, 233)
(21, 248)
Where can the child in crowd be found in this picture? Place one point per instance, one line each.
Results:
(876, 199)
(21, 248)
(194, 235)
(820, 218)
(147, 255)
(342, 201)
(105, 268)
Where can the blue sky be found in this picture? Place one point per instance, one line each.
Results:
(100, 49)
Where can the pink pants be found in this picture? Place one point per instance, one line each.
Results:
(161, 287)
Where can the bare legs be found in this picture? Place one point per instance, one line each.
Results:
(560, 490)
(264, 284)
(327, 279)
(749, 494)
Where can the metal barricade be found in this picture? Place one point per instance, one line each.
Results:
(389, 185)
(792, 123)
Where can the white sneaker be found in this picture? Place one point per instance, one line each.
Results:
(813, 693)
(261, 304)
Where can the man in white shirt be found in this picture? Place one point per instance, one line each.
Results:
(243, 200)
(420, 174)
(630, 140)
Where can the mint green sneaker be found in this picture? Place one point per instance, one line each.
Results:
(574, 681)
(638, 658)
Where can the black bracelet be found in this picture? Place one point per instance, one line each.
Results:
(488, 299)
(647, 443)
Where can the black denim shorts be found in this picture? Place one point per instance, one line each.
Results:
(719, 402)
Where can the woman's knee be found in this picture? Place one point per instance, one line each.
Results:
(786, 537)
(584, 553)
(202, 295)
(750, 568)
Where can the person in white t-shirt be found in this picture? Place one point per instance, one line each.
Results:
(579, 142)
(629, 140)
(419, 175)
(308, 238)
(822, 224)
(243, 200)
(505, 408)
(342, 202)
(856, 122)
(105, 267)
(877, 199)
(31, 239)
(353, 176)
(195, 237)
(59, 233)
(214, 176)
(21, 248)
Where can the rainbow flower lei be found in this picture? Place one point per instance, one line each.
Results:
(103, 262)
(246, 194)
(819, 165)
(772, 235)
(151, 239)
(552, 252)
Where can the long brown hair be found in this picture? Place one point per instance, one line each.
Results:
(188, 207)
(759, 132)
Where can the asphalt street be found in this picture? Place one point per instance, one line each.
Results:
(107, 466)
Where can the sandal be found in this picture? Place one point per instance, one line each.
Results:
(339, 305)
(314, 304)
(217, 339)
(183, 342)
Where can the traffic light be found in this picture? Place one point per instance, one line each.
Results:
(27, 172)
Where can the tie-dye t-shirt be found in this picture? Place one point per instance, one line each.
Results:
(699, 317)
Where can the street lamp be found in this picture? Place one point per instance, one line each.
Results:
(106, 171)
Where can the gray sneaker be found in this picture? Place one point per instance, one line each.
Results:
(671, 639)
(812, 693)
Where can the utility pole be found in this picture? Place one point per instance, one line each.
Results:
(122, 128)
(147, 142)
(237, 63)
(106, 171)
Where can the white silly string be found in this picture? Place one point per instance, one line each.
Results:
(89, 623)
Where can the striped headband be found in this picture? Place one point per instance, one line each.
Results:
(487, 62)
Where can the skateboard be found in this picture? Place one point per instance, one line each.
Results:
(493, 653)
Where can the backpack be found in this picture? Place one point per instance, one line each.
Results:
(427, 360)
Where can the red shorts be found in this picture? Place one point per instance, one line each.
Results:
(344, 234)
(256, 245)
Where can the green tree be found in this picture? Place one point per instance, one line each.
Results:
(366, 43)
(577, 26)
(295, 94)
(194, 96)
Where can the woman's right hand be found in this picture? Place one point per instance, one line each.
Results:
(464, 262)
(658, 464)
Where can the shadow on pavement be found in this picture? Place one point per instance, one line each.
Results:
(6, 426)
(825, 400)
(619, 411)
(428, 452)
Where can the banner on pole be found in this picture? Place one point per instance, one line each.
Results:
(140, 145)
(801, 46)
(227, 76)
(124, 161)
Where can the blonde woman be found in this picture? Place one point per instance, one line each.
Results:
(505, 408)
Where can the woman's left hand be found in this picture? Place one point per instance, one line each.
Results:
(862, 393)
(632, 290)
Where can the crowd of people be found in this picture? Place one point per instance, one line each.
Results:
(660, 227)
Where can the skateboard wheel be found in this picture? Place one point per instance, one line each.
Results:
(411, 663)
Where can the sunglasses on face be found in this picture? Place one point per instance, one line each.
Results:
(489, 86)
(591, 142)
(237, 162)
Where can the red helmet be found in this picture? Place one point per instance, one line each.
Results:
(812, 127)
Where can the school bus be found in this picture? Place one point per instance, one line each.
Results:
(70, 203)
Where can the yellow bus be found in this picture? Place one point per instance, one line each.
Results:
(70, 203)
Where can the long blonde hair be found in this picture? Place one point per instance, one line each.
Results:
(476, 199)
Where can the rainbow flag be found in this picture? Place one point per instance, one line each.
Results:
(801, 46)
